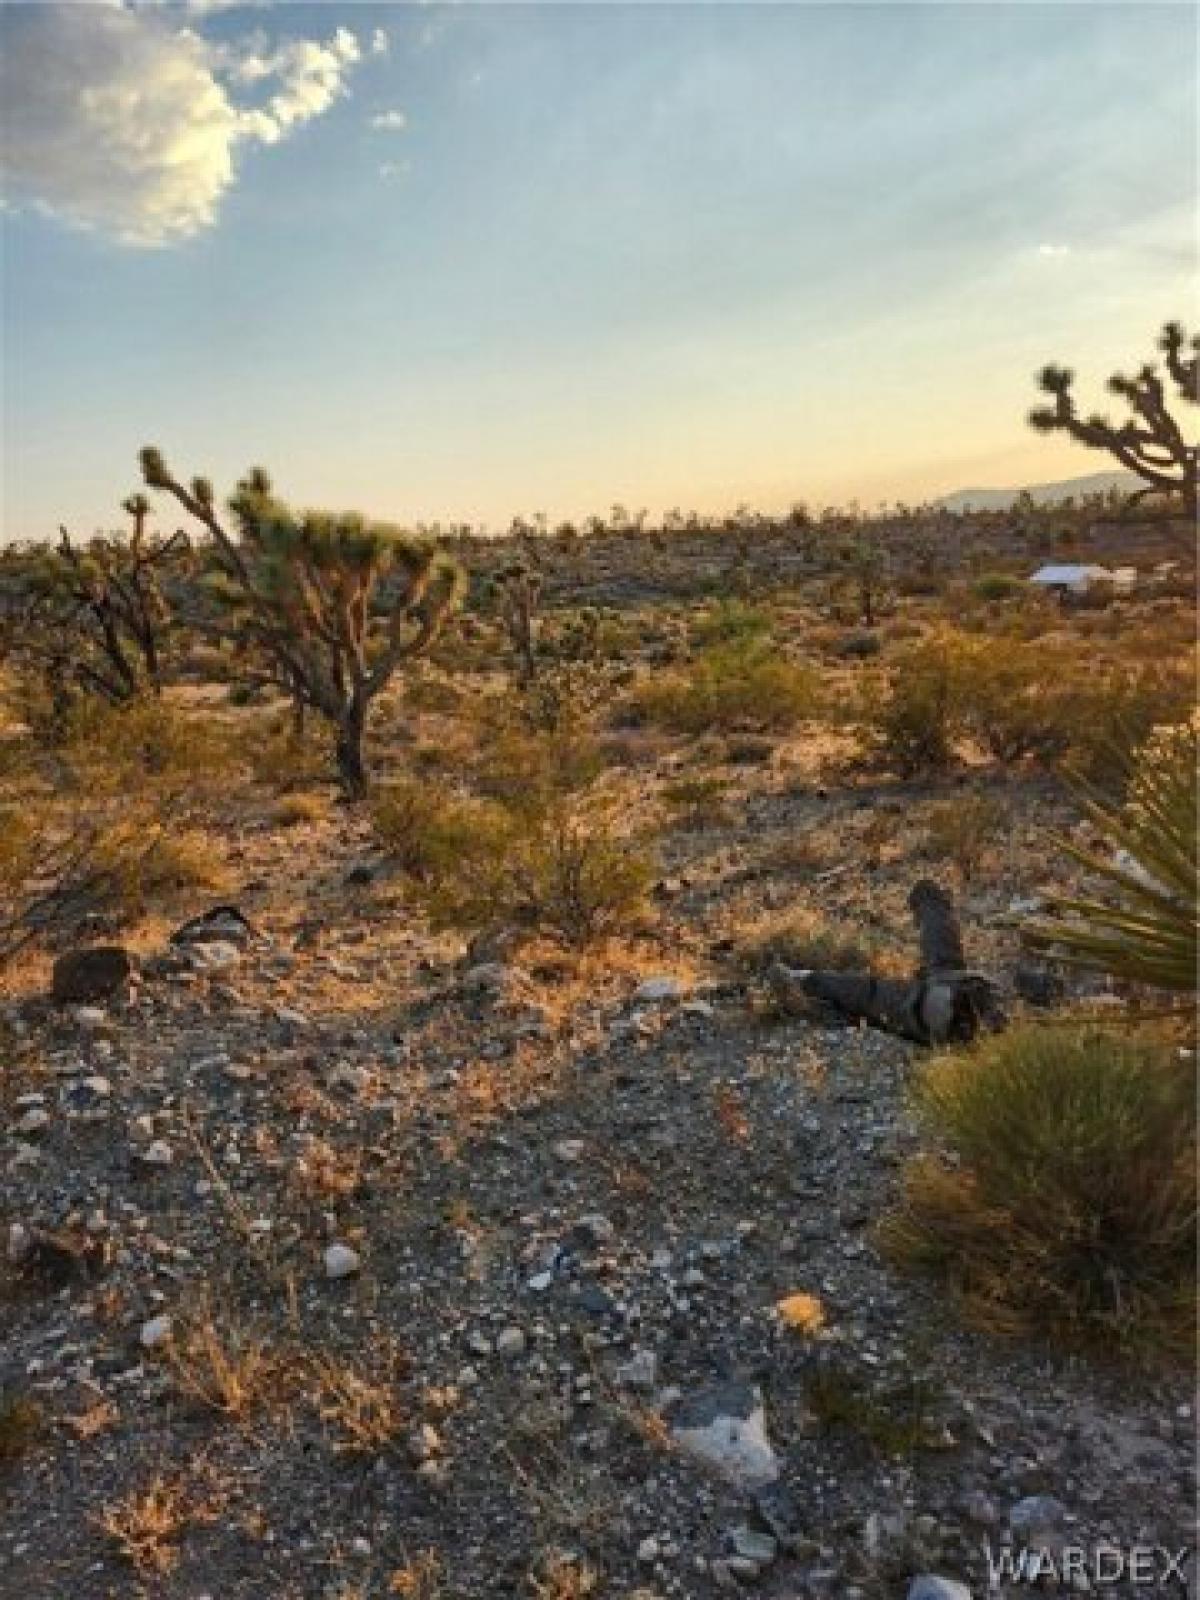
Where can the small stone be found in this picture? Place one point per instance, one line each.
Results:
(928, 1586)
(510, 1342)
(158, 1154)
(155, 1332)
(748, 1543)
(640, 1371)
(1035, 1515)
(34, 1120)
(539, 1282)
(648, 1552)
(341, 1261)
(725, 1426)
(569, 1149)
(653, 990)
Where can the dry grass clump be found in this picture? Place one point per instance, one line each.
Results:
(360, 1402)
(221, 1365)
(699, 802)
(1066, 1202)
(807, 940)
(147, 1525)
(304, 806)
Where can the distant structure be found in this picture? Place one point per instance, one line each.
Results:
(1068, 579)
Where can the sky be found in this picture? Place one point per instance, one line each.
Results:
(471, 261)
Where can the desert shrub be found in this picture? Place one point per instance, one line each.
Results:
(698, 802)
(997, 586)
(961, 829)
(1146, 933)
(1010, 697)
(732, 622)
(432, 832)
(529, 771)
(728, 687)
(913, 721)
(1108, 713)
(1066, 1204)
(563, 868)
(304, 806)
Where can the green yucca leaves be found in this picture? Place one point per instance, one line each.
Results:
(1146, 933)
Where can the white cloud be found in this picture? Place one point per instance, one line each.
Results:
(1054, 252)
(394, 169)
(123, 120)
(389, 121)
(380, 43)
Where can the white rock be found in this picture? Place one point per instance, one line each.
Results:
(155, 1332)
(656, 989)
(34, 1120)
(158, 1154)
(647, 1552)
(726, 1426)
(569, 1149)
(510, 1342)
(928, 1586)
(341, 1261)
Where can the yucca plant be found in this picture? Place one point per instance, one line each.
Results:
(1146, 932)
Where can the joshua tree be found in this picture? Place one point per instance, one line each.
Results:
(518, 591)
(94, 618)
(330, 603)
(1151, 442)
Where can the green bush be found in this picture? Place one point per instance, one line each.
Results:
(744, 685)
(997, 586)
(914, 719)
(1066, 1204)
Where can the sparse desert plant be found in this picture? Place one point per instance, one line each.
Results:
(293, 810)
(1109, 712)
(1066, 1204)
(329, 605)
(961, 829)
(1146, 932)
(699, 802)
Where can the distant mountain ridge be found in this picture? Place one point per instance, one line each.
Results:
(1044, 494)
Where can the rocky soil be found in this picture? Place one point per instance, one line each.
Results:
(547, 1208)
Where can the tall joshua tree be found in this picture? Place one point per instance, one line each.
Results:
(1150, 442)
(329, 603)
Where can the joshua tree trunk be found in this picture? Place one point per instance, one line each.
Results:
(348, 750)
(943, 1003)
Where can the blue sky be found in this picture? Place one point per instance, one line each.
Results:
(685, 254)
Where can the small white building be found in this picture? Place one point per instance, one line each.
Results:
(1070, 579)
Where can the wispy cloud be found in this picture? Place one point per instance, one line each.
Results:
(389, 121)
(1053, 252)
(124, 120)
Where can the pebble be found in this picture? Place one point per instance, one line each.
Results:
(341, 1261)
(928, 1586)
(155, 1332)
(510, 1342)
(569, 1149)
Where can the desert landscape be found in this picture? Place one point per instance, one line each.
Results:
(647, 1054)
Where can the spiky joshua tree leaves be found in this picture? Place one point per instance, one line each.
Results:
(329, 603)
(1144, 930)
(1151, 442)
